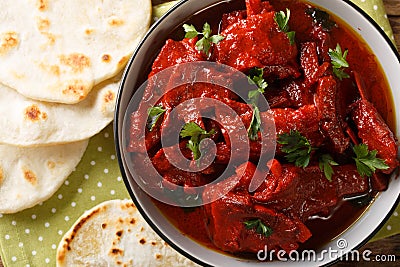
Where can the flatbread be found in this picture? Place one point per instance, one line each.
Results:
(58, 50)
(114, 234)
(29, 176)
(27, 122)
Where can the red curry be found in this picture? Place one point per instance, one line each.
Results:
(306, 96)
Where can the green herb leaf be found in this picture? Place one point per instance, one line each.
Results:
(154, 114)
(255, 77)
(338, 60)
(196, 134)
(190, 30)
(259, 226)
(282, 20)
(366, 161)
(325, 164)
(297, 148)
(204, 43)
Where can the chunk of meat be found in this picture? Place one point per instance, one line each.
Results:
(225, 223)
(176, 52)
(256, 41)
(302, 193)
(330, 124)
(309, 62)
(305, 120)
(375, 133)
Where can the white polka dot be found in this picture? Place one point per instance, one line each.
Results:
(60, 232)
(395, 214)
(99, 149)
(47, 224)
(99, 184)
(93, 198)
(40, 238)
(363, 1)
(389, 227)
(53, 246)
(47, 260)
(375, 7)
(33, 216)
(112, 192)
(93, 163)
(1, 215)
(105, 170)
(385, 16)
(79, 190)
(119, 179)
(54, 210)
(73, 204)
(27, 231)
(34, 252)
(20, 244)
(7, 237)
(14, 223)
(66, 218)
(112, 157)
(41, 204)
(60, 196)
(382, 28)
(390, 37)
(13, 258)
(66, 182)
(106, 135)
(27, 265)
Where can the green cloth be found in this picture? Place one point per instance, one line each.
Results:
(31, 237)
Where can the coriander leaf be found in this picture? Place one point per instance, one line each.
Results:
(338, 60)
(366, 161)
(196, 134)
(154, 114)
(259, 226)
(325, 164)
(255, 124)
(256, 77)
(190, 30)
(282, 20)
(297, 148)
(204, 43)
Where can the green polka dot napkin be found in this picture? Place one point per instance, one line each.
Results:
(31, 237)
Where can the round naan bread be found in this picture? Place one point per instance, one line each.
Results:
(29, 176)
(58, 50)
(114, 233)
(28, 122)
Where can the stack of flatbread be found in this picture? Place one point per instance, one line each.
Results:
(113, 233)
(60, 65)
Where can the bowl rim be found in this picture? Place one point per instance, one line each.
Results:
(118, 143)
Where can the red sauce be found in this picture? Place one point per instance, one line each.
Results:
(191, 222)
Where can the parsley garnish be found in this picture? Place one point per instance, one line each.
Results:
(204, 44)
(154, 114)
(297, 148)
(260, 227)
(338, 60)
(282, 20)
(255, 77)
(366, 161)
(325, 164)
(196, 134)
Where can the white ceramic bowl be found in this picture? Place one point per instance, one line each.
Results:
(355, 236)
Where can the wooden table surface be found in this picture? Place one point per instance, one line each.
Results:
(390, 245)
